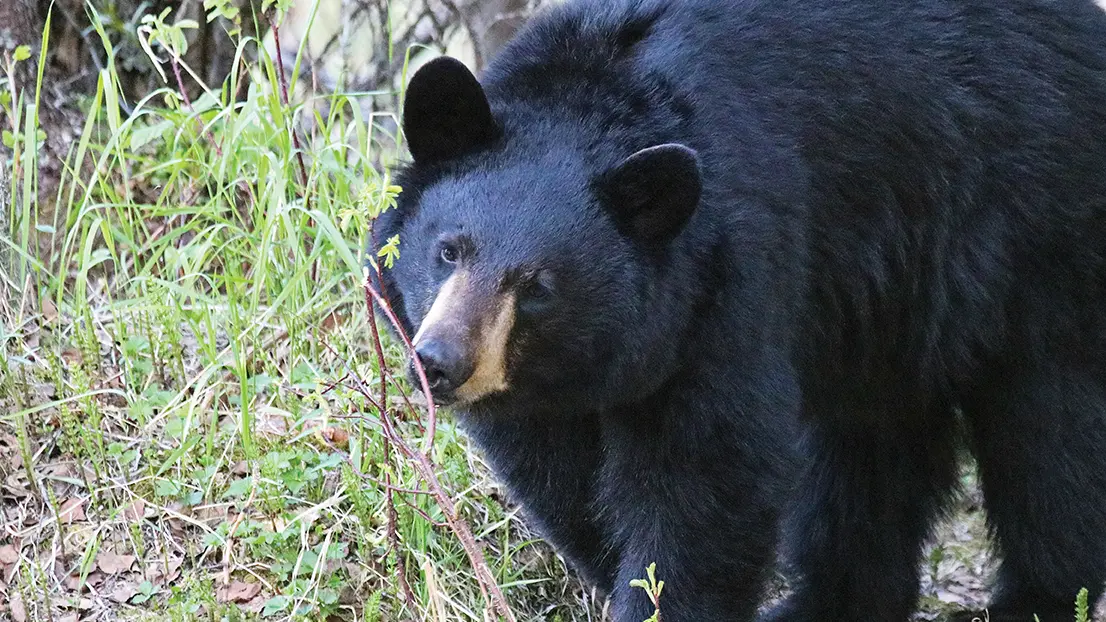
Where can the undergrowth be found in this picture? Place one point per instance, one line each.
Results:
(195, 420)
(191, 422)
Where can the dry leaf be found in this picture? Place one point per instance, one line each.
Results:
(338, 436)
(71, 617)
(165, 572)
(71, 510)
(237, 592)
(8, 554)
(18, 610)
(255, 605)
(72, 356)
(17, 485)
(331, 322)
(49, 311)
(94, 579)
(123, 591)
(272, 422)
(61, 470)
(110, 563)
(211, 514)
(135, 510)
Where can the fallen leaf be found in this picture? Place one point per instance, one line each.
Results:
(110, 563)
(237, 592)
(49, 311)
(18, 610)
(72, 356)
(255, 605)
(72, 617)
(338, 436)
(271, 422)
(17, 485)
(94, 579)
(135, 510)
(71, 510)
(165, 572)
(331, 322)
(123, 591)
(8, 554)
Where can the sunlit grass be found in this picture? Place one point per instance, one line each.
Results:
(182, 432)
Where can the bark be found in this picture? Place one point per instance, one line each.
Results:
(18, 18)
(5, 232)
(22, 23)
(493, 23)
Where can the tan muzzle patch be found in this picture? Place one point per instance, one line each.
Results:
(480, 323)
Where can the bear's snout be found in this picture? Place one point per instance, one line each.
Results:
(462, 341)
(447, 367)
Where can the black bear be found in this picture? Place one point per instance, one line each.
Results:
(698, 274)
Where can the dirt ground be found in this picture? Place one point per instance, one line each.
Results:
(958, 565)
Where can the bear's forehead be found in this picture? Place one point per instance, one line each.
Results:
(511, 221)
(520, 199)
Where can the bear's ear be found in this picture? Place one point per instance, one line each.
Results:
(654, 192)
(446, 113)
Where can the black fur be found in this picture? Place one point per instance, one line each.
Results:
(901, 215)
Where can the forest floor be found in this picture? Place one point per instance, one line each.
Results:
(191, 419)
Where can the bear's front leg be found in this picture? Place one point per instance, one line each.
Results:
(699, 491)
(549, 463)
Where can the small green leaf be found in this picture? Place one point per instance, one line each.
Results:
(145, 591)
(167, 488)
(390, 251)
(1082, 607)
(328, 596)
(22, 52)
(238, 488)
(141, 136)
(274, 606)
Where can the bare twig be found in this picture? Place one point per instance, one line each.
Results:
(188, 102)
(295, 136)
(284, 95)
(421, 461)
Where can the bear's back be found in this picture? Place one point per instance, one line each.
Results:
(941, 148)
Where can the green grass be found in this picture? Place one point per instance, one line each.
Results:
(187, 430)
(189, 385)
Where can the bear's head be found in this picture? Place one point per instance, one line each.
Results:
(537, 263)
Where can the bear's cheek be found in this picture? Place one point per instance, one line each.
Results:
(490, 354)
(476, 323)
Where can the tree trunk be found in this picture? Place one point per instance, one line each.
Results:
(5, 232)
(22, 23)
(18, 19)
(494, 22)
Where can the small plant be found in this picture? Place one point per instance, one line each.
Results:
(1082, 609)
(652, 589)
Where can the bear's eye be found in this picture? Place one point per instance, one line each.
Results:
(449, 254)
(535, 289)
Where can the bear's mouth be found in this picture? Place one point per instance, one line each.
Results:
(442, 396)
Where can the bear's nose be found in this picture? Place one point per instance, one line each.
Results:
(445, 364)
